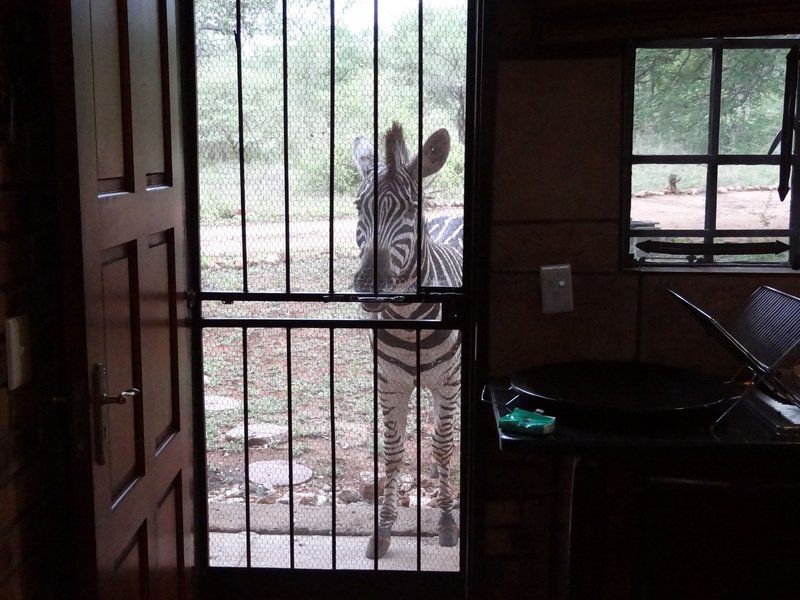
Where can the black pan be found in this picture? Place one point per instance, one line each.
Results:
(626, 389)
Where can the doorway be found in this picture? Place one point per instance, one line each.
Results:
(304, 180)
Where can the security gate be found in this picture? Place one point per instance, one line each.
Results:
(310, 461)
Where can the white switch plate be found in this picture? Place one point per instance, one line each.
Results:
(18, 351)
(556, 288)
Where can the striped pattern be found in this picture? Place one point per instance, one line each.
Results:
(440, 350)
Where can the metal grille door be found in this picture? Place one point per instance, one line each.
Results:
(332, 144)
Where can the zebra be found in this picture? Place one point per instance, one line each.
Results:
(440, 350)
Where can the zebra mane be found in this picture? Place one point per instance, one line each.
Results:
(396, 151)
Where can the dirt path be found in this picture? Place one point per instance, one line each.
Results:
(735, 210)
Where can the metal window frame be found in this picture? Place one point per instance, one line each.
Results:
(712, 160)
(459, 312)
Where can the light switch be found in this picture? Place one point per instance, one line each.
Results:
(18, 351)
(556, 283)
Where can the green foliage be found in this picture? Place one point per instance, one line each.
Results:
(308, 89)
(671, 99)
(672, 93)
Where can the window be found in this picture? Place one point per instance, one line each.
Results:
(704, 153)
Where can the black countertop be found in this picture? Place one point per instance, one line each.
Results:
(741, 430)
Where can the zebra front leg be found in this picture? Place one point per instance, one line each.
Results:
(394, 407)
(445, 404)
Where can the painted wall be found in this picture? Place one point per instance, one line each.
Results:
(556, 87)
(33, 498)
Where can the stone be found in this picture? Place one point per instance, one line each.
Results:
(259, 434)
(234, 493)
(305, 499)
(367, 485)
(276, 472)
(270, 498)
(349, 496)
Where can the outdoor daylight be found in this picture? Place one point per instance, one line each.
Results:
(293, 404)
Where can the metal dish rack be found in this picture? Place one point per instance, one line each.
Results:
(764, 337)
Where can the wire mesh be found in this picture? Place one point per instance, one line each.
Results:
(293, 513)
(298, 409)
(218, 148)
(224, 431)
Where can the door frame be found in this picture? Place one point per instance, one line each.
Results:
(300, 582)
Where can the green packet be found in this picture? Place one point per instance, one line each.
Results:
(524, 421)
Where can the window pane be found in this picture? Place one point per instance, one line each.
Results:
(673, 196)
(747, 198)
(752, 100)
(671, 93)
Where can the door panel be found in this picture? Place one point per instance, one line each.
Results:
(154, 67)
(112, 98)
(130, 570)
(168, 550)
(134, 285)
(159, 337)
(122, 355)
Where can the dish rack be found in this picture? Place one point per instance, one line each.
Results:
(764, 337)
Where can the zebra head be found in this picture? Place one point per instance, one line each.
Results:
(397, 204)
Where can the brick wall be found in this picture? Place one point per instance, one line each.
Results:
(555, 198)
(32, 443)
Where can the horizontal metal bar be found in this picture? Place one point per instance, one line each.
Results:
(373, 324)
(660, 233)
(706, 159)
(725, 44)
(439, 296)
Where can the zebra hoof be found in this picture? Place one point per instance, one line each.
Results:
(383, 545)
(448, 530)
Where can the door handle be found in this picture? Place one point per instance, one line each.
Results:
(101, 399)
(129, 394)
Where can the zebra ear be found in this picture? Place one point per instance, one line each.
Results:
(434, 154)
(363, 156)
(396, 152)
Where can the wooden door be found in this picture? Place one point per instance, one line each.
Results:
(132, 204)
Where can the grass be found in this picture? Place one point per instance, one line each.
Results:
(220, 197)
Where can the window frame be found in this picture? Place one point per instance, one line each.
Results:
(711, 160)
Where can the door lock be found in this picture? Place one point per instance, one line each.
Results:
(102, 399)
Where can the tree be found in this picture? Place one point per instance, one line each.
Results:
(444, 59)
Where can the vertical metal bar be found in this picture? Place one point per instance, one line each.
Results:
(794, 190)
(794, 208)
(239, 99)
(788, 122)
(331, 148)
(246, 411)
(419, 459)
(288, 261)
(375, 151)
(419, 146)
(291, 443)
(626, 254)
(331, 384)
(713, 145)
(375, 444)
